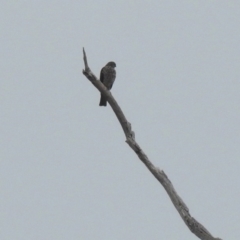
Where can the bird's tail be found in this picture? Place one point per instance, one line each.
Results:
(103, 101)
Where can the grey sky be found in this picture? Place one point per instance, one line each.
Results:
(66, 172)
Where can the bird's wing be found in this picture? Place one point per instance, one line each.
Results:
(102, 75)
(113, 78)
(110, 86)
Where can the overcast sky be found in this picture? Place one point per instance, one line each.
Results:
(66, 172)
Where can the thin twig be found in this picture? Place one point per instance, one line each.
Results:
(85, 61)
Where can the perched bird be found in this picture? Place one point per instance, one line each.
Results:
(107, 77)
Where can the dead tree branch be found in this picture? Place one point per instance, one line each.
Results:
(198, 229)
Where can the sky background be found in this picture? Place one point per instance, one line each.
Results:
(66, 172)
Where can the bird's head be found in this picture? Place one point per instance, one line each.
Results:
(111, 64)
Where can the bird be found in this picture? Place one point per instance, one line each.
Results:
(107, 77)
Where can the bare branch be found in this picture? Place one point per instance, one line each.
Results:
(198, 229)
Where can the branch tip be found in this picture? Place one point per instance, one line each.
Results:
(85, 60)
